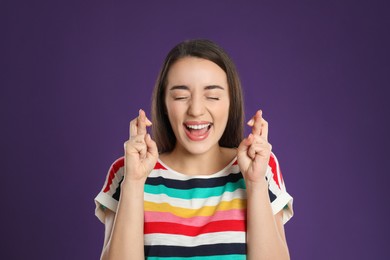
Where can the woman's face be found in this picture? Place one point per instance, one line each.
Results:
(197, 102)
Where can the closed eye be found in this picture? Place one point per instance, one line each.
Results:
(213, 98)
(179, 98)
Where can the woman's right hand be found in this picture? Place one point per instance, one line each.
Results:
(141, 152)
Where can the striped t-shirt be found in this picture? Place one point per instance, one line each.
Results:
(199, 217)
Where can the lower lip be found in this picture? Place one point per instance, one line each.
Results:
(196, 138)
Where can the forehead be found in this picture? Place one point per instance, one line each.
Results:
(196, 71)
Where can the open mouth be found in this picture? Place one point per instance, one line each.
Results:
(197, 132)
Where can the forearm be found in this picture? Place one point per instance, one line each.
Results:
(264, 240)
(126, 241)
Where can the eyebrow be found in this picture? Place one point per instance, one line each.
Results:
(183, 87)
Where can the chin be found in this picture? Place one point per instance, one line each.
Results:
(199, 148)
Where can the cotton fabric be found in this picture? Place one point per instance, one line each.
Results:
(199, 217)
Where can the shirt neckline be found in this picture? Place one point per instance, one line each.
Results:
(201, 176)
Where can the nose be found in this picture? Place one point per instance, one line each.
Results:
(196, 107)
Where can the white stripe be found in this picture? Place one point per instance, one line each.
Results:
(102, 199)
(115, 181)
(280, 202)
(203, 239)
(272, 186)
(171, 174)
(195, 203)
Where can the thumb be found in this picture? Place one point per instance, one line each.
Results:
(245, 144)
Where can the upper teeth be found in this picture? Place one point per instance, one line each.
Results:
(198, 126)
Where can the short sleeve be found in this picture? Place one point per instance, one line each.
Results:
(280, 199)
(108, 197)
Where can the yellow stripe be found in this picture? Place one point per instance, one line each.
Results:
(201, 212)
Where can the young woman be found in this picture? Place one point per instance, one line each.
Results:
(197, 189)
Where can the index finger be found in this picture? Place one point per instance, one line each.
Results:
(133, 128)
(256, 128)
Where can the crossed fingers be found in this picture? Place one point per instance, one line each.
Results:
(259, 125)
(258, 139)
(138, 133)
(139, 124)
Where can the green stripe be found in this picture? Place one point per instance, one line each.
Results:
(216, 257)
(195, 193)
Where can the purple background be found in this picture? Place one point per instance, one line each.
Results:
(74, 73)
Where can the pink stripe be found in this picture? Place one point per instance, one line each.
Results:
(234, 214)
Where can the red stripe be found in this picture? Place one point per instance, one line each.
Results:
(274, 169)
(159, 166)
(113, 170)
(178, 229)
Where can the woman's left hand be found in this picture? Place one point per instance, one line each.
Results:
(254, 151)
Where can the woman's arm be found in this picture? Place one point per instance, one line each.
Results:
(108, 223)
(124, 230)
(265, 232)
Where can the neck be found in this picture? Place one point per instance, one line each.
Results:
(199, 164)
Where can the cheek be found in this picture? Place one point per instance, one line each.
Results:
(223, 110)
(173, 112)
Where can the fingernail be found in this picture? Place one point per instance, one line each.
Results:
(251, 122)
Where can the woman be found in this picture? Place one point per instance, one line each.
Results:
(198, 188)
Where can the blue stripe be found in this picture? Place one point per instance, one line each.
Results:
(195, 193)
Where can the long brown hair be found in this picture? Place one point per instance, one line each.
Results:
(205, 49)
